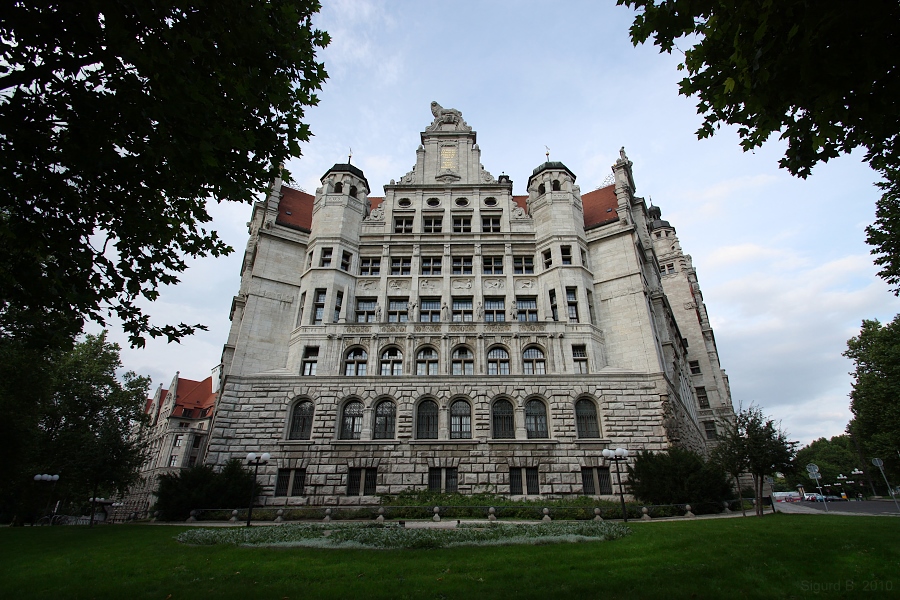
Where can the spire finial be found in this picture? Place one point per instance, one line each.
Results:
(547, 153)
(349, 156)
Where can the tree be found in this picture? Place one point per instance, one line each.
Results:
(821, 75)
(202, 487)
(875, 397)
(755, 444)
(82, 426)
(835, 456)
(677, 476)
(119, 120)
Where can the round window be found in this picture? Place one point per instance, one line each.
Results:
(404, 202)
(462, 201)
(433, 202)
(490, 201)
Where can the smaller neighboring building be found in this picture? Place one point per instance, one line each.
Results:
(176, 435)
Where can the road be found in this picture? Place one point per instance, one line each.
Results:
(865, 507)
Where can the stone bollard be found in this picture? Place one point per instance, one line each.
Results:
(279, 515)
(193, 517)
(155, 516)
(380, 517)
(492, 514)
(234, 515)
(546, 512)
(688, 514)
(727, 510)
(437, 517)
(597, 516)
(327, 514)
(645, 514)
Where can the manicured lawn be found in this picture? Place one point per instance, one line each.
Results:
(778, 556)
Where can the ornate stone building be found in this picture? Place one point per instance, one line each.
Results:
(176, 435)
(453, 336)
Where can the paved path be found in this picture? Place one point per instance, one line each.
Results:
(866, 507)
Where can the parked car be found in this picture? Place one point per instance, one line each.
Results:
(814, 498)
(835, 499)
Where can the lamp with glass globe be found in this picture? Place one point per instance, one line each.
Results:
(255, 461)
(615, 456)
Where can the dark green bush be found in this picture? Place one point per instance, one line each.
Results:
(202, 487)
(677, 476)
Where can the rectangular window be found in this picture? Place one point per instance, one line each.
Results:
(443, 480)
(186, 412)
(298, 485)
(667, 269)
(325, 258)
(492, 265)
(572, 304)
(403, 225)
(596, 481)
(451, 480)
(430, 310)
(532, 487)
(434, 480)
(554, 312)
(173, 460)
(309, 258)
(310, 360)
(590, 296)
(432, 224)
(523, 265)
(526, 308)
(548, 259)
(584, 258)
(281, 483)
(702, 398)
(695, 367)
(398, 310)
(566, 252)
(290, 482)
(300, 310)
(462, 310)
(462, 265)
(179, 439)
(401, 265)
(319, 307)
(369, 266)
(490, 224)
(494, 309)
(579, 356)
(361, 480)
(197, 441)
(338, 303)
(365, 310)
(431, 265)
(346, 258)
(710, 427)
(462, 224)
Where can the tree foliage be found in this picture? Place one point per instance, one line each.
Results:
(203, 487)
(78, 418)
(835, 456)
(875, 397)
(821, 75)
(677, 476)
(757, 445)
(119, 120)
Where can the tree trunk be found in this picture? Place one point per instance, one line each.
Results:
(737, 484)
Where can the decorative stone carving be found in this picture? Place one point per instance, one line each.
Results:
(376, 215)
(446, 119)
(409, 177)
(398, 285)
(462, 284)
(525, 284)
(690, 305)
(486, 177)
(367, 284)
(494, 284)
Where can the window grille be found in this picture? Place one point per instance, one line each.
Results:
(531, 481)
(351, 423)
(586, 419)
(515, 481)
(427, 420)
(503, 420)
(384, 420)
(535, 419)
(434, 480)
(281, 483)
(460, 420)
(301, 421)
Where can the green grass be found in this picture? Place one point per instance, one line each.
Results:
(779, 556)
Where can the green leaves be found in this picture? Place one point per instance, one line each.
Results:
(122, 119)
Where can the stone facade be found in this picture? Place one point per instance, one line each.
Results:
(452, 336)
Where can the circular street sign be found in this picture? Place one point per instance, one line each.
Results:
(877, 462)
(812, 468)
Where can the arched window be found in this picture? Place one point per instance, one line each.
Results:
(498, 361)
(533, 361)
(427, 420)
(586, 419)
(542, 189)
(535, 419)
(355, 363)
(460, 420)
(503, 420)
(301, 421)
(384, 420)
(353, 191)
(338, 188)
(392, 362)
(427, 362)
(462, 361)
(555, 185)
(351, 420)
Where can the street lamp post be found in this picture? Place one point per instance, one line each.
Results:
(254, 461)
(615, 456)
(880, 464)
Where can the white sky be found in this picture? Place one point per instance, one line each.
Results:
(782, 262)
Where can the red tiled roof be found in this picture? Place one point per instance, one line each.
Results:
(522, 201)
(162, 400)
(600, 206)
(295, 209)
(195, 394)
(375, 202)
